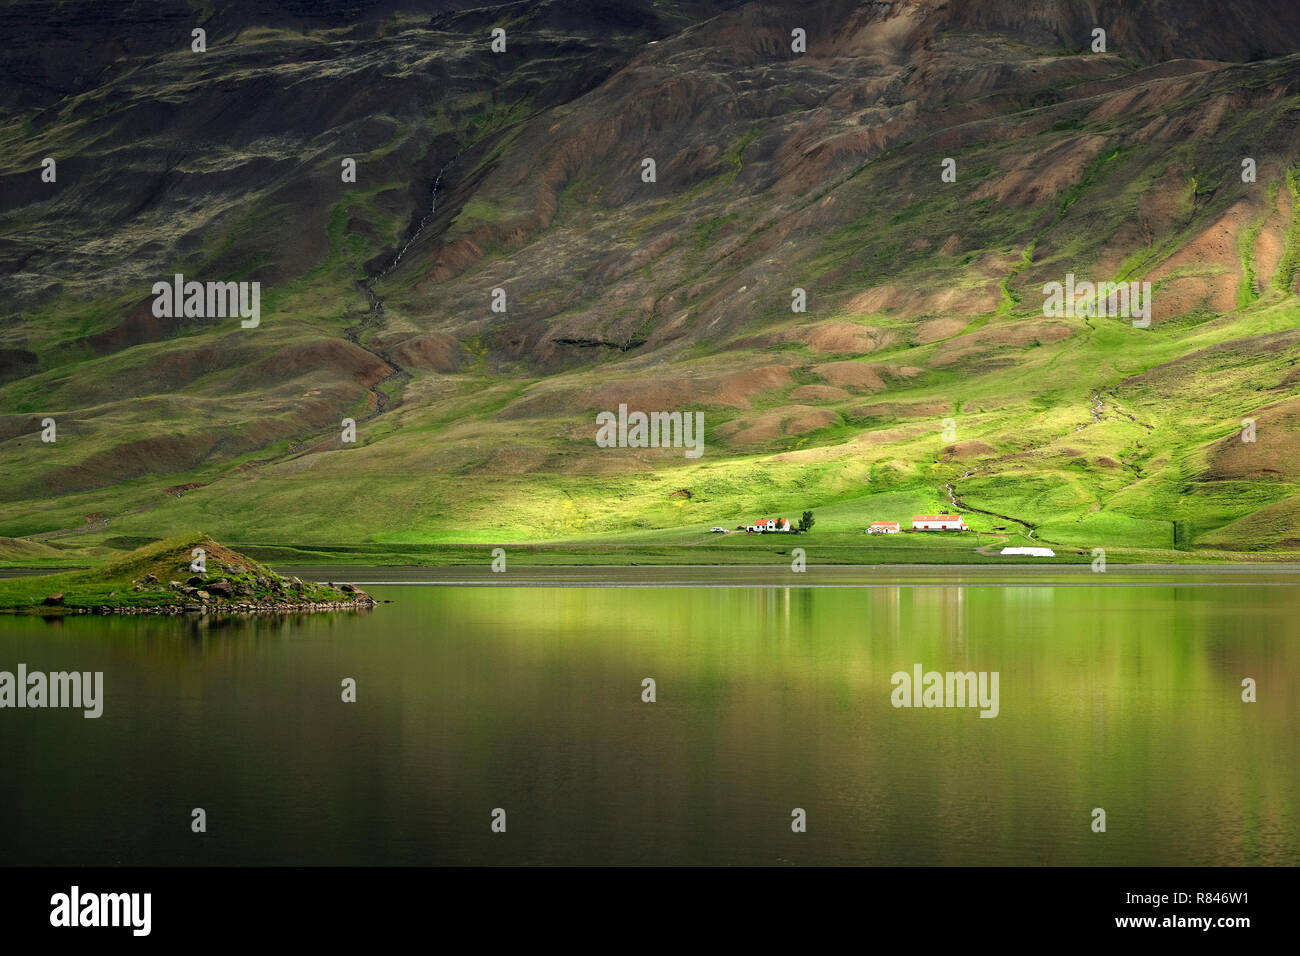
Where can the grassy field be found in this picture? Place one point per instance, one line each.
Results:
(692, 547)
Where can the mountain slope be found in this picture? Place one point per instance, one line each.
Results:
(774, 171)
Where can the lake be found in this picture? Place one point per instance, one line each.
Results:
(1120, 691)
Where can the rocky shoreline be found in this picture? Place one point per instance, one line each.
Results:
(221, 597)
(190, 575)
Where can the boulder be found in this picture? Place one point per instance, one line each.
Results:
(195, 581)
(54, 600)
(221, 588)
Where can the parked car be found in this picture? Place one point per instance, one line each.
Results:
(718, 530)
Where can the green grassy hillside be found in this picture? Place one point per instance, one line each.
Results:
(924, 375)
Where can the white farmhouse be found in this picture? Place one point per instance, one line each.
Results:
(938, 523)
(765, 525)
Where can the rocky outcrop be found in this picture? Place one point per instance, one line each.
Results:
(231, 583)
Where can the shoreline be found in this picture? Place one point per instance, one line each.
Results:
(319, 581)
(1079, 567)
(832, 575)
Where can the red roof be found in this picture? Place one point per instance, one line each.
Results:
(936, 517)
(884, 524)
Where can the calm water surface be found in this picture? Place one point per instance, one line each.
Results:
(1125, 696)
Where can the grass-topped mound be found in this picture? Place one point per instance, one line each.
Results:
(164, 577)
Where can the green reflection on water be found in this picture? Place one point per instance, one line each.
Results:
(529, 699)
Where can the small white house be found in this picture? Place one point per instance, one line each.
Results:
(1032, 552)
(883, 527)
(763, 525)
(938, 523)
